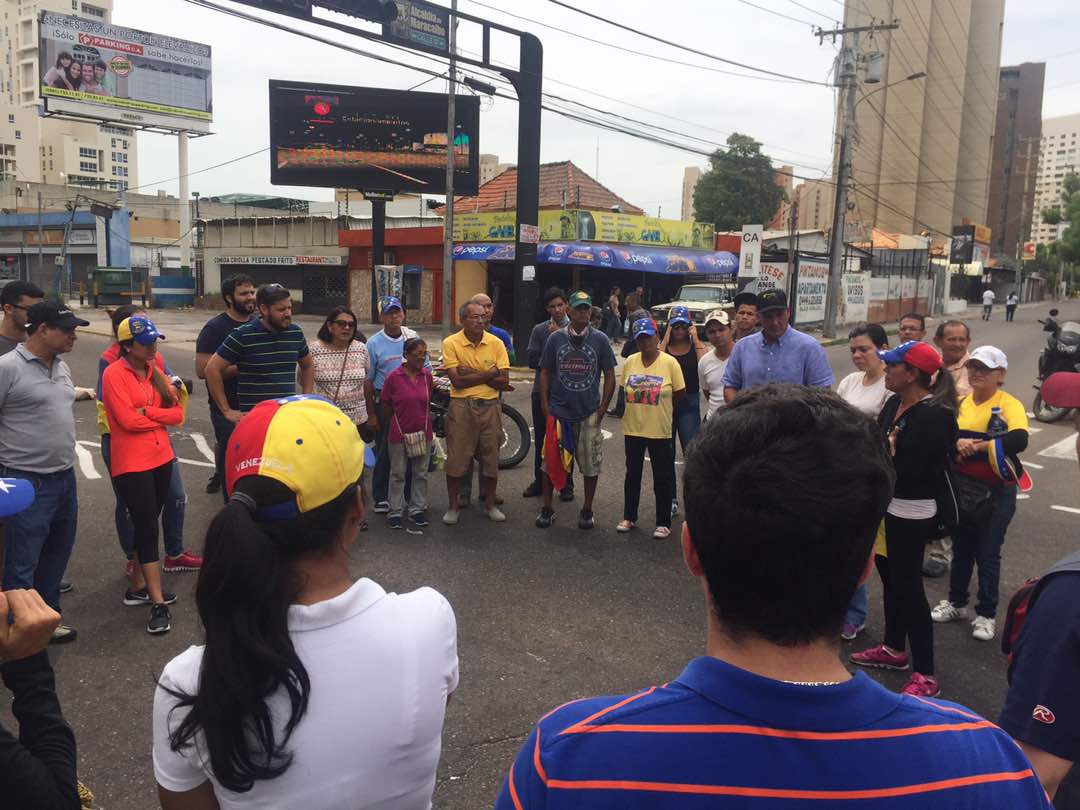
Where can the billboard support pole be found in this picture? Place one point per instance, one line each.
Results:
(40, 239)
(185, 205)
(378, 249)
(448, 221)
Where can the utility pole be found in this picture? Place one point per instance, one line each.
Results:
(1024, 232)
(40, 239)
(847, 78)
(448, 222)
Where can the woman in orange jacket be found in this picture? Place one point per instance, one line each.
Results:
(139, 403)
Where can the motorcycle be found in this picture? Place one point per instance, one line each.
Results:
(1062, 353)
(517, 436)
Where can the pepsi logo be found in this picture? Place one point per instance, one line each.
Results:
(1043, 715)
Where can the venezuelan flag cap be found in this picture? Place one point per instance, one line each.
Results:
(305, 442)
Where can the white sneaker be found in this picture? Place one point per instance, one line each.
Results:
(982, 628)
(495, 514)
(451, 517)
(946, 611)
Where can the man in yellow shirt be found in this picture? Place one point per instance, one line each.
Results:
(479, 368)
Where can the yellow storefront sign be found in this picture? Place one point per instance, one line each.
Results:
(589, 226)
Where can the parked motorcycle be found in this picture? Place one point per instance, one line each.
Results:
(517, 436)
(1062, 353)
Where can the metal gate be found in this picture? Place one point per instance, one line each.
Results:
(324, 289)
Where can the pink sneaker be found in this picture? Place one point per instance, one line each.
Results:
(921, 685)
(881, 658)
(184, 561)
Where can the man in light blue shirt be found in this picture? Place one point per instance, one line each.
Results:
(776, 354)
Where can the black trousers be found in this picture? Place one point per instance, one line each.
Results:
(539, 432)
(1010, 311)
(144, 494)
(662, 456)
(907, 613)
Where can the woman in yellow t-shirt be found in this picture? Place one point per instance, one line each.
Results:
(654, 384)
(993, 432)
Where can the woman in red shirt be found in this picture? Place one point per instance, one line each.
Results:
(139, 403)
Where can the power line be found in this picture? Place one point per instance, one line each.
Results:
(814, 11)
(777, 13)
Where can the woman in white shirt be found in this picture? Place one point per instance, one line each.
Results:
(864, 389)
(313, 690)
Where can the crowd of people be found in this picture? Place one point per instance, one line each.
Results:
(920, 445)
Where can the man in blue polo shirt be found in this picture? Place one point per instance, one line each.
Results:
(776, 354)
(769, 717)
(266, 352)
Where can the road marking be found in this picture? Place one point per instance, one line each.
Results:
(1071, 510)
(607, 434)
(202, 446)
(1023, 497)
(1030, 415)
(86, 462)
(1033, 465)
(181, 460)
(1033, 429)
(1064, 449)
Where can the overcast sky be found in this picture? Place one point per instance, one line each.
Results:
(793, 120)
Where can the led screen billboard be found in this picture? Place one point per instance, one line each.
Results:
(110, 73)
(369, 138)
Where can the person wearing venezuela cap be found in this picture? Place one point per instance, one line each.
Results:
(139, 403)
(919, 423)
(312, 690)
(993, 432)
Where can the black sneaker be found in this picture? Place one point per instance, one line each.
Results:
(545, 518)
(159, 620)
(533, 490)
(420, 519)
(213, 484)
(382, 507)
(142, 597)
(585, 519)
(394, 521)
(63, 635)
(66, 587)
(567, 495)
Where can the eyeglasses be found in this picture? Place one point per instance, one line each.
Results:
(345, 324)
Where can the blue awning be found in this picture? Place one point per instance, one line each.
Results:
(642, 258)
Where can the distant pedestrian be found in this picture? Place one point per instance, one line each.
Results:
(406, 398)
(635, 309)
(37, 443)
(654, 385)
(988, 303)
(1012, 301)
(681, 341)
(479, 369)
(747, 320)
(919, 422)
(912, 327)
(16, 297)
(575, 358)
(484, 300)
(712, 364)
(613, 314)
(555, 304)
(777, 354)
(238, 293)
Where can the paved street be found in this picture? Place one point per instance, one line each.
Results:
(543, 617)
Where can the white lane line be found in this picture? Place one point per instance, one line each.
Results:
(1069, 509)
(86, 462)
(202, 446)
(1033, 429)
(1064, 449)
(181, 460)
(1023, 497)
(1033, 465)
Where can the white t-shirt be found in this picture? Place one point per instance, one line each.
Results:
(381, 667)
(988, 298)
(710, 370)
(867, 398)
(1012, 300)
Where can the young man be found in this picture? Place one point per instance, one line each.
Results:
(555, 304)
(484, 300)
(711, 366)
(779, 354)
(238, 292)
(37, 443)
(988, 303)
(479, 368)
(266, 352)
(570, 370)
(747, 321)
(1012, 301)
(770, 716)
(16, 297)
(386, 352)
(912, 327)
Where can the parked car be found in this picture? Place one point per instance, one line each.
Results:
(700, 299)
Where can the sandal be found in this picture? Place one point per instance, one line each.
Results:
(661, 533)
(624, 526)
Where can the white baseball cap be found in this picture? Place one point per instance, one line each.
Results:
(990, 356)
(718, 315)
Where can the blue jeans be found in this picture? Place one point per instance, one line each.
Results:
(41, 537)
(686, 421)
(172, 517)
(223, 429)
(856, 610)
(982, 545)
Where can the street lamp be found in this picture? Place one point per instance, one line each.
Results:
(920, 75)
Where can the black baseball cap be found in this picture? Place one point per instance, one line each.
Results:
(772, 300)
(52, 315)
(746, 297)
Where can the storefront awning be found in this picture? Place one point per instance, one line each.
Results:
(620, 257)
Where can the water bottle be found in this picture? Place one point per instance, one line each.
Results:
(997, 426)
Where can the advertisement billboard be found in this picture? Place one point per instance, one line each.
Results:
(750, 253)
(369, 138)
(590, 226)
(810, 295)
(111, 73)
(962, 246)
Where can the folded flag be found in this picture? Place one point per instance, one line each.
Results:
(558, 453)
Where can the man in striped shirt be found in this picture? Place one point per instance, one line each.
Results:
(266, 352)
(769, 717)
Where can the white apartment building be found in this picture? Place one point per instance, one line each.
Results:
(36, 149)
(1058, 156)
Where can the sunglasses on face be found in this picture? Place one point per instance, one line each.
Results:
(345, 324)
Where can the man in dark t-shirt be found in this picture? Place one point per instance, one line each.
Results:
(239, 294)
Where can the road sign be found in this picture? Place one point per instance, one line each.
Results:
(420, 25)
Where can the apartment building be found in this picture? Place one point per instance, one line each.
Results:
(1058, 157)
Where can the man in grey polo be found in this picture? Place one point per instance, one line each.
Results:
(37, 443)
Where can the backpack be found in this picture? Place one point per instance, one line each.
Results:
(1023, 600)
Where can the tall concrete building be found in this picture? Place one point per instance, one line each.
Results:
(490, 167)
(815, 200)
(690, 177)
(922, 154)
(1058, 157)
(1014, 166)
(35, 149)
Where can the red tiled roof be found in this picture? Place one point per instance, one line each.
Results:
(562, 185)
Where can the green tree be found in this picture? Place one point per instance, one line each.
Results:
(739, 188)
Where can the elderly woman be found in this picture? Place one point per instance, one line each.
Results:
(993, 432)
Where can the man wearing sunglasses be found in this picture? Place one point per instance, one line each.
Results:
(16, 298)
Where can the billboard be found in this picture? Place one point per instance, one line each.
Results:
(962, 246)
(810, 294)
(591, 226)
(369, 138)
(92, 69)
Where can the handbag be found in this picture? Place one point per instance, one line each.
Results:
(973, 499)
(416, 445)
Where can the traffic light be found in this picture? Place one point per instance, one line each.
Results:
(380, 11)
